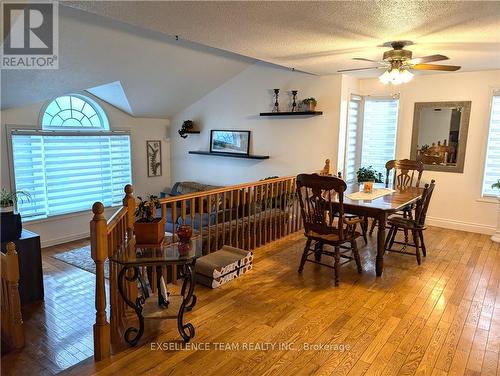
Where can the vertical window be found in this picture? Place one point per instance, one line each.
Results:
(492, 163)
(73, 161)
(371, 134)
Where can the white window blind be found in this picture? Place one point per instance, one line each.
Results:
(492, 164)
(352, 139)
(371, 134)
(380, 120)
(68, 173)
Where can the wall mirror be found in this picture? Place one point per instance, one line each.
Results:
(439, 136)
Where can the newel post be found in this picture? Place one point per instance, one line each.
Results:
(129, 202)
(14, 317)
(99, 252)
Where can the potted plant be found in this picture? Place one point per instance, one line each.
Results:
(11, 228)
(368, 176)
(148, 228)
(496, 235)
(309, 104)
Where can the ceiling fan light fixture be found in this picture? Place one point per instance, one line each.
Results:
(396, 76)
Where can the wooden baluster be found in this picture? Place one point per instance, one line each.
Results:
(129, 202)
(224, 198)
(200, 217)
(249, 210)
(243, 210)
(217, 208)
(192, 212)
(174, 227)
(164, 211)
(254, 224)
(231, 201)
(237, 235)
(99, 252)
(209, 234)
(183, 211)
(261, 208)
(271, 213)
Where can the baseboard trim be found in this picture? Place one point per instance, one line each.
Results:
(461, 225)
(64, 239)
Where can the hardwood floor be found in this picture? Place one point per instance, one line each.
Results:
(439, 318)
(442, 317)
(58, 330)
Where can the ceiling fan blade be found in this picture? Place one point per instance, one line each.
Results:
(357, 69)
(449, 68)
(363, 59)
(428, 59)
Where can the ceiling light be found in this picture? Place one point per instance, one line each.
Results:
(396, 76)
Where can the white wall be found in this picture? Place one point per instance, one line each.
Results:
(294, 144)
(455, 202)
(74, 226)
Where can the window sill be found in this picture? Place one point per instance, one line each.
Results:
(64, 216)
(488, 200)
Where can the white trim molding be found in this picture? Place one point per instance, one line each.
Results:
(63, 239)
(461, 225)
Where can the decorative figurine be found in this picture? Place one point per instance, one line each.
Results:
(186, 127)
(276, 104)
(294, 103)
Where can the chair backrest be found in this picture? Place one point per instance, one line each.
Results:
(12, 322)
(423, 204)
(321, 200)
(406, 173)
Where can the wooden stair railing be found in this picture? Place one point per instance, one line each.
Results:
(12, 321)
(245, 215)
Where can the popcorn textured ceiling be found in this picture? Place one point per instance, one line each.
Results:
(322, 37)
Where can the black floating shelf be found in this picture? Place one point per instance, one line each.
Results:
(297, 113)
(192, 132)
(231, 155)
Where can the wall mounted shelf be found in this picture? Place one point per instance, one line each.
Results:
(230, 155)
(296, 113)
(192, 132)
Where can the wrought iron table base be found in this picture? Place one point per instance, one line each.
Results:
(133, 335)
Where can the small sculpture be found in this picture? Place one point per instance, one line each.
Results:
(294, 103)
(276, 104)
(187, 125)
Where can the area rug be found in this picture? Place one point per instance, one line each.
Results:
(80, 257)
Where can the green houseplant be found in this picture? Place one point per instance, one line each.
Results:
(9, 199)
(148, 228)
(368, 174)
(309, 104)
(12, 227)
(496, 235)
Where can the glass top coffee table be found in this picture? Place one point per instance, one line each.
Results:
(133, 259)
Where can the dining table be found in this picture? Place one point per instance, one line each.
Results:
(380, 208)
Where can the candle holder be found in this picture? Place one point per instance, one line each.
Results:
(294, 102)
(276, 107)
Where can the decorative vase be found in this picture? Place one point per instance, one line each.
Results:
(184, 247)
(7, 209)
(496, 235)
(368, 186)
(184, 232)
(150, 232)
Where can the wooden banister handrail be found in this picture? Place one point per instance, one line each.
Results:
(116, 218)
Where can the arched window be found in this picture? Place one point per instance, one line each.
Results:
(72, 162)
(74, 111)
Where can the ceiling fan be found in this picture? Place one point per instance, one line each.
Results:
(398, 62)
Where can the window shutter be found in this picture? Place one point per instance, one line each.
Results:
(68, 173)
(352, 139)
(380, 119)
(492, 164)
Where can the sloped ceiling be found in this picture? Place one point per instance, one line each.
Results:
(322, 37)
(159, 75)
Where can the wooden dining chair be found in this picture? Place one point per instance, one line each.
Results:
(402, 173)
(321, 201)
(416, 226)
